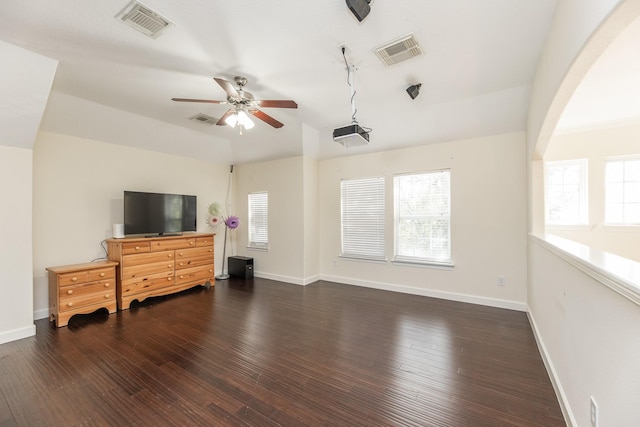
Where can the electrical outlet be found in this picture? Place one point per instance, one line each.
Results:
(501, 281)
(594, 412)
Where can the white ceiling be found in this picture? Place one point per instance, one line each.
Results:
(479, 62)
(609, 94)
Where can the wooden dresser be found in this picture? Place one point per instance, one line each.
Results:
(155, 266)
(81, 288)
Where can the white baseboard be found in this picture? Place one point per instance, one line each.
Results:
(41, 314)
(555, 381)
(17, 334)
(472, 299)
(280, 278)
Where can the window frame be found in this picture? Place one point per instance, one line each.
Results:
(582, 217)
(432, 259)
(258, 221)
(624, 182)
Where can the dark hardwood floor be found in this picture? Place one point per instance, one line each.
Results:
(261, 353)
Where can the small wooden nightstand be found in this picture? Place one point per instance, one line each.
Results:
(81, 288)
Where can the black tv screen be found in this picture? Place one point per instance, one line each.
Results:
(158, 213)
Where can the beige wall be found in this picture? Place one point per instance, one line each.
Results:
(78, 185)
(284, 181)
(25, 84)
(596, 146)
(16, 289)
(488, 220)
(587, 332)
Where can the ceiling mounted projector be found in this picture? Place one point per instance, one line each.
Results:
(359, 8)
(351, 135)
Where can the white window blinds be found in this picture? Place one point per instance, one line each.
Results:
(363, 218)
(259, 220)
(422, 217)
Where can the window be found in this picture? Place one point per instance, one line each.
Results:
(622, 191)
(422, 217)
(259, 220)
(362, 221)
(566, 193)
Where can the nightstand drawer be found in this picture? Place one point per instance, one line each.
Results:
(76, 296)
(76, 277)
(101, 274)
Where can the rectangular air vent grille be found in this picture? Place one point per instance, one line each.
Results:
(203, 118)
(143, 19)
(399, 50)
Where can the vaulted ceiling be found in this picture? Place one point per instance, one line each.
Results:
(115, 84)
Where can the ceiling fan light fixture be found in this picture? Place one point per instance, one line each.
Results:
(244, 120)
(231, 120)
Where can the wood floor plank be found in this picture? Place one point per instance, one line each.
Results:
(261, 352)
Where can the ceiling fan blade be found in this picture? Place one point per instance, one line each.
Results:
(266, 118)
(209, 101)
(274, 103)
(221, 121)
(227, 87)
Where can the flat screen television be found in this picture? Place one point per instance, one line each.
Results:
(159, 214)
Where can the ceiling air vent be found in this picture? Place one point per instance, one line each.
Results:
(203, 118)
(143, 19)
(399, 50)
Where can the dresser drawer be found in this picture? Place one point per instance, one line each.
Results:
(187, 254)
(194, 274)
(163, 245)
(75, 296)
(204, 241)
(136, 285)
(143, 270)
(138, 259)
(135, 247)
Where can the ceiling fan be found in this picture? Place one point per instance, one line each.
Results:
(243, 102)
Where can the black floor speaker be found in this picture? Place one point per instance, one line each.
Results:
(241, 266)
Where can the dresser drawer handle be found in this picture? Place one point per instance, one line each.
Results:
(106, 296)
(191, 243)
(169, 278)
(69, 304)
(210, 271)
(181, 276)
(169, 266)
(137, 248)
(181, 254)
(210, 250)
(69, 292)
(170, 255)
(74, 279)
(103, 274)
(106, 285)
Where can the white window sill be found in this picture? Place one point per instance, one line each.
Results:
(569, 227)
(621, 228)
(363, 259)
(259, 249)
(424, 264)
(618, 273)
